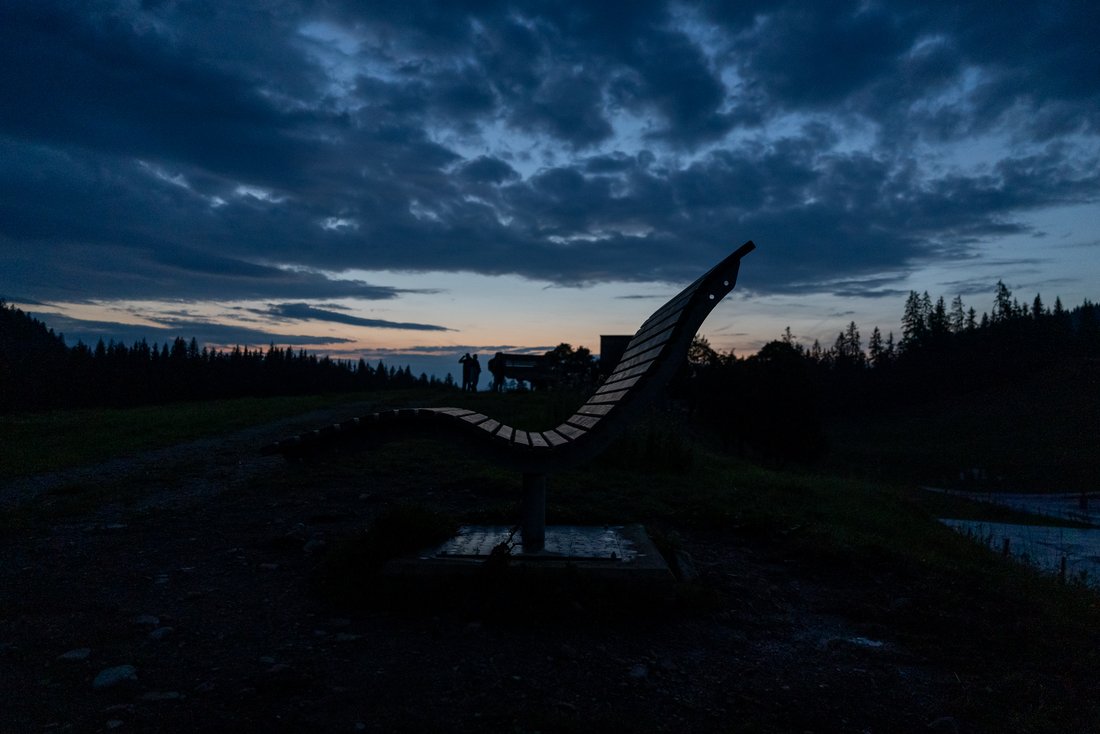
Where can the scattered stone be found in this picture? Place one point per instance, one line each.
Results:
(161, 632)
(685, 566)
(293, 539)
(945, 725)
(80, 653)
(269, 566)
(116, 676)
(639, 672)
(282, 678)
(161, 696)
(852, 643)
(146, 619)
(901, 604)
(114, 723)
(314, 546)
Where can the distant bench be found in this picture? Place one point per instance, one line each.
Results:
(652, 358)
(535, 369)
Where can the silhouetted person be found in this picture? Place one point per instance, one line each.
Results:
(496, 369)
(467, 371)
(475, 373)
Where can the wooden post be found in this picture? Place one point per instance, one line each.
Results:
(533, 523)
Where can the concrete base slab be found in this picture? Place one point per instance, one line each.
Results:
(612, 552)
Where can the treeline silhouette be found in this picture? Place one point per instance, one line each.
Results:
(772, 404)
(38, 371)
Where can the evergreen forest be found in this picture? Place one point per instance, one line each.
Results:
(38, 371)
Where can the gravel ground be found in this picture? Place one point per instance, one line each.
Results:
(189, 606)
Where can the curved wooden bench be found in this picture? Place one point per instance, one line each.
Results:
(653, 356)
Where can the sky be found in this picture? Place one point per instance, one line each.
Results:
(411, 181)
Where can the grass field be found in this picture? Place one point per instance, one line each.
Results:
(46, 441)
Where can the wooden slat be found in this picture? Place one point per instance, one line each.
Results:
(490, 425)
(656, 340)
(505, 433)
(629, 372)
(608, 397)
(615, 385)
(519, 438)
(647, 331)
(646, 356)
(538, 441)
(586, 422)
(475, 418)
(589, 409)
(456, 412)
(554, 438)
(572, 432)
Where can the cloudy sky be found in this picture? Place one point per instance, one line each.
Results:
(413, 179)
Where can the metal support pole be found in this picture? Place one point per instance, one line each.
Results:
(533, 523)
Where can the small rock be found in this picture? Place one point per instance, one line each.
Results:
(80, 653)
(314, 546)
(161, 696)
(112, 677)
(269, 566)
(161, 632)
(944, 724)
(114, 723)
(293, 539)
(901, 604)
(146, 619)
(685, 566)
(639, 672)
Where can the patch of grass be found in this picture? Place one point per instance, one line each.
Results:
(47, 441)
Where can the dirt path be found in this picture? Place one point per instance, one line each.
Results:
(198, 469)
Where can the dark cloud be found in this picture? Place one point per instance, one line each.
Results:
(211, 150)
(205, 332)
(305, 312)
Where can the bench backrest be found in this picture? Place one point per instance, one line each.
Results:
(652, 358)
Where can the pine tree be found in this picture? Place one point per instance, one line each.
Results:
(958, 315)
(876, 349)
(1037, 308)
(914, 323)
(1004, 308)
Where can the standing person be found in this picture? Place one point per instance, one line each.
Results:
(475, 374)
(465, 361)
(496, 369)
